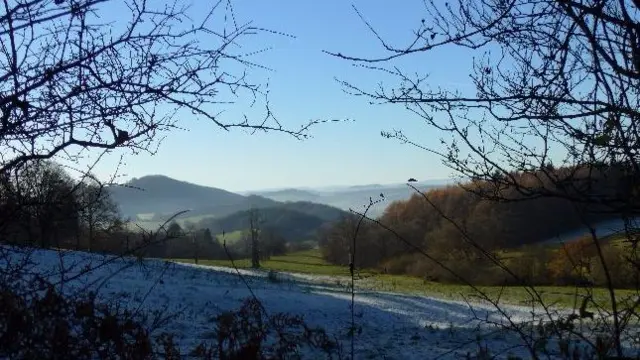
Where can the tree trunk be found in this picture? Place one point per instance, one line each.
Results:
(255, 246)
(195, 245)
(90, 240)
(255, 252)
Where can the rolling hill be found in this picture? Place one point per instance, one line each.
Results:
(351, 197)
(163, 196)
(394, 325)
(294, 221)
(285, 195)
(153, 199)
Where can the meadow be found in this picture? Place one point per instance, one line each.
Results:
(310, 262)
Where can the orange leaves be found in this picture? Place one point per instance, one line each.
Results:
(573, 261)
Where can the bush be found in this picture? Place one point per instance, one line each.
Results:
(402, 264)
(571, 264)
(250, 334)
(272, 276)
(301, 246)
(40, 323)
(530, 267)
(45, 325)
(623, 273)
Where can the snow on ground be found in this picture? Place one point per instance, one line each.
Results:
(394, 326)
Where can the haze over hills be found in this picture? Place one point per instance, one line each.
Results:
(164, 196)
(159, 197)
(352, 197)
(295, 222)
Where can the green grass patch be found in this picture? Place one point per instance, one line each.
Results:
(304, 262)
(311, 262)
(560, 296)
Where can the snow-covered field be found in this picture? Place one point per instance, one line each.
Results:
(394, 326)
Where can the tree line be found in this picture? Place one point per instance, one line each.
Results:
(41, 205)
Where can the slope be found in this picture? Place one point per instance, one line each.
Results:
(296, 221)
(390, 326)
(163, 195)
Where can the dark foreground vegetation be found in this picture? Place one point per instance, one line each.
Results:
(43, 206)
(44, 324)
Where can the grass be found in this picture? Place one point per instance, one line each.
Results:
(311, 262)
(560, 296)
(304, 262)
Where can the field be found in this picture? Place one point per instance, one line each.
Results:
(389, 325)
(310, 262)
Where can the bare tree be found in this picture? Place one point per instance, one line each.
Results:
(97, 210)
(72, 80)
(255, 222)
(77, 80)
(42, 208)
(192, 231)
(554, 109)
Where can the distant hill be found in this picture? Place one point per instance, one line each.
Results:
(163, 196)
(354, 197)
(298, 212)
(291, 195)
(321, 211)
(295, 221)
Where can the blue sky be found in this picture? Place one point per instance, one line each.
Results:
(302, 88)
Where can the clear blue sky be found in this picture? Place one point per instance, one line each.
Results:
(302, 87)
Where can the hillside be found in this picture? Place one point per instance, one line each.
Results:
(454, 217)
(162, 195)
(285, 195)
(296, 221)
(322, 211)
(393, 326)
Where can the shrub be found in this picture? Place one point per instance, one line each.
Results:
(402, 265)
(250, 333)
(531, 267)
(272, 276)
(623, 273)
(571, 264)
(300, 246)
(40, 323)
(45, 325)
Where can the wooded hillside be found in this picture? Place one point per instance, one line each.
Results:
(456, 224)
